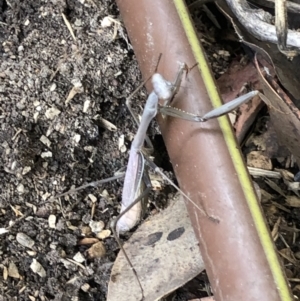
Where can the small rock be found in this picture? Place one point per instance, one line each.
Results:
(52, 113)
(96, 226)
(31, 253)
(20, 189)
(85, 230)
(26, 170)
(37, 268)
(3, 230)
(79, 257)
(85, 287)
(74, 283)
(88, 241)
(104, 234)
(86, 106)
(25, 240)
(76, 83)
(97, 250)
(77, 138)
(68, 240)
(46, 154)
(92, 198)
(53, 87)
(45, 140)
(13, 270)
(107, 21)
(52, 221)
(121, 143)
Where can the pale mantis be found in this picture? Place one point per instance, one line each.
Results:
(132, 195)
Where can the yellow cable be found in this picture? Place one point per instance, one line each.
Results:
(233, 149)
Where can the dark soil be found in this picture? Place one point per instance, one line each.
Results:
(40, 63)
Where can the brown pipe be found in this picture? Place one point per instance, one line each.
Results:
(238, 252)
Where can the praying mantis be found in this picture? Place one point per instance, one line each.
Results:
(165, 91)
(135, 175)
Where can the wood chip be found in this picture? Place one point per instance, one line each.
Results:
(68, 26)
(274, 232)
(16, 211)
(73, 92)
(31, 253)
(258, 172)
(107, 124)
(88, 241)
(5, 273)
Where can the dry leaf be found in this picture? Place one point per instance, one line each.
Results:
(165, 253)
(293, 201)
(275, 187)
(258, 160)
(73, 92)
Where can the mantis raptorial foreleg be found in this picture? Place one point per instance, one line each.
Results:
(215, 113)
